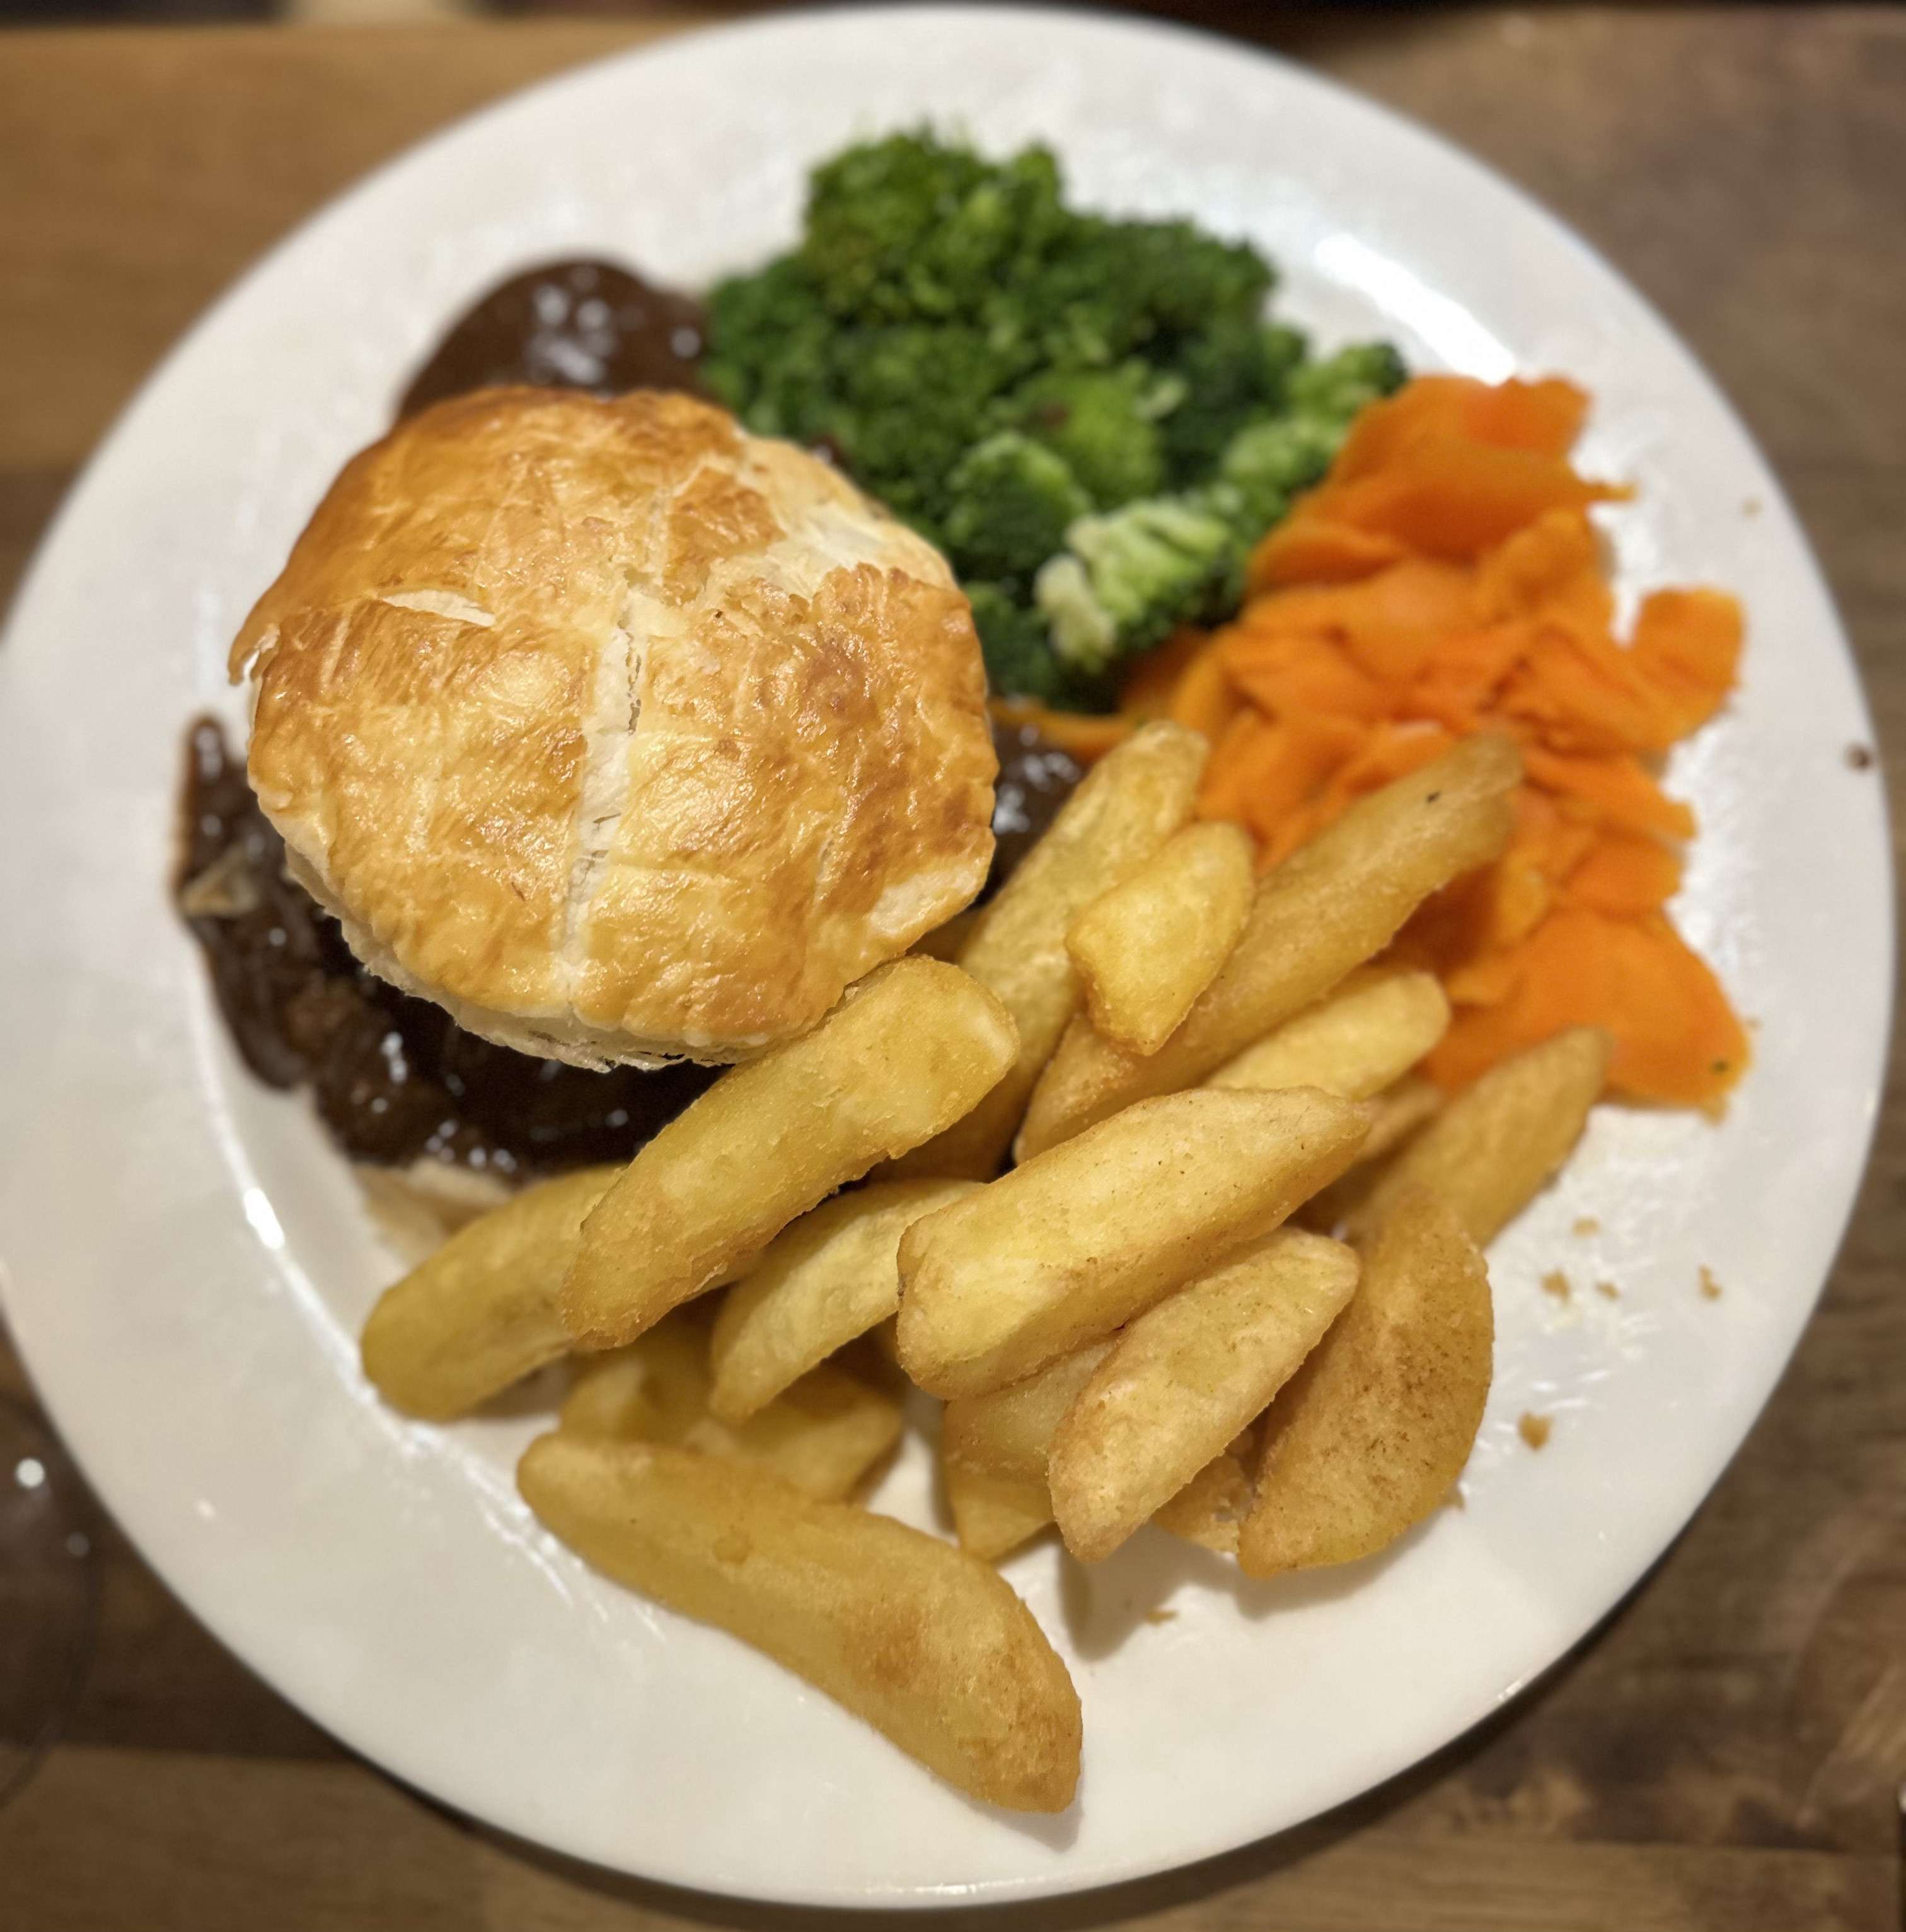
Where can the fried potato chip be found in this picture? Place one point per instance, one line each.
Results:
(482, 1310)
(993, 1515)
(908, 1050)
(1371, 1029)
(1400, 1110)
(1146, 949)
(1127, 806)
(1369, 1435)
(1073, 1244)
(1008, 1432)
(1412, 1102)
(927, 1643)
(1208, 1509)
(823, 1435)
(1332, 904)
(1183, 1379)
(1493, 1147)
(824, 1279)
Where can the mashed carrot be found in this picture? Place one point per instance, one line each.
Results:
(1443, 580)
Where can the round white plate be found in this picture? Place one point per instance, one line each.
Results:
(187, 1261)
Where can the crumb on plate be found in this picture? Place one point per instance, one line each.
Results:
(1534, 1428)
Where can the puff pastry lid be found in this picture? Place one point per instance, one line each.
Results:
(622, 734)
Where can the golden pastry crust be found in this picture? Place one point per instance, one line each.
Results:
(621, 733)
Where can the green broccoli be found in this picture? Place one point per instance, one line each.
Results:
(1126, 580)
(1092, 416)
(931, 285)
(1266, 463)
(909, 229)
(1013, 501)
(1228, 374)
(1017, 646)
(1104, 422)
(1340, 385)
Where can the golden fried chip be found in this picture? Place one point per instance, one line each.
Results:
(908, 1050)
(1412, 1102)
(1400, 1110)
(1146, 949)
(824, 1279)
(481, 1311)
(1208, 1509)
(1128, 805)
(1491, 1149)
(1331, 905)
(1073, 1244)
(927, 1643)
(1183, 1379)
(1371, 1433)
(1008, 1432)
(823, 1434)
(1369, 1031)
(993, 1515)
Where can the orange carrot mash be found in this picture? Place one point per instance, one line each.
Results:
(1443, 580)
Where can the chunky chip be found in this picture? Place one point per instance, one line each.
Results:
(1146, 949)
(823, 1434)
(1207, 1510)
(1496, 1145)
(1071, 1246)
(481, 1311)
(823, 1280)
(908, 1050)
(993, 1515)
(1366, 1032)
(1332, 904)
(1130, 803)
(1369, 1435)
(1008, 1432)
(927, 1643)
(1180, 1382)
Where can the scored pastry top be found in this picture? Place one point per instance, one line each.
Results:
(623, 734)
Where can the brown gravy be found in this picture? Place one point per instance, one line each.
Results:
(567, 325)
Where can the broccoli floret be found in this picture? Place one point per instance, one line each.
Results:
(930, 284)
(908, 403)
(1157, 281)
(910, 228)
(1091, 415)
(772, 348)
(1104, 423)
(1020, 663)
(1013, 500)
(1267, 464)
(1126, 580)
(1340, 385)
(1231, 373)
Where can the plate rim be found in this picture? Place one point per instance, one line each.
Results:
(343, 205)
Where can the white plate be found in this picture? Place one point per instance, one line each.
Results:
(188, 1262)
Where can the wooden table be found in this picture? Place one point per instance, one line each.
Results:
(1725, 1753)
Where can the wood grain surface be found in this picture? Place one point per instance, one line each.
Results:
(1725, 1753)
